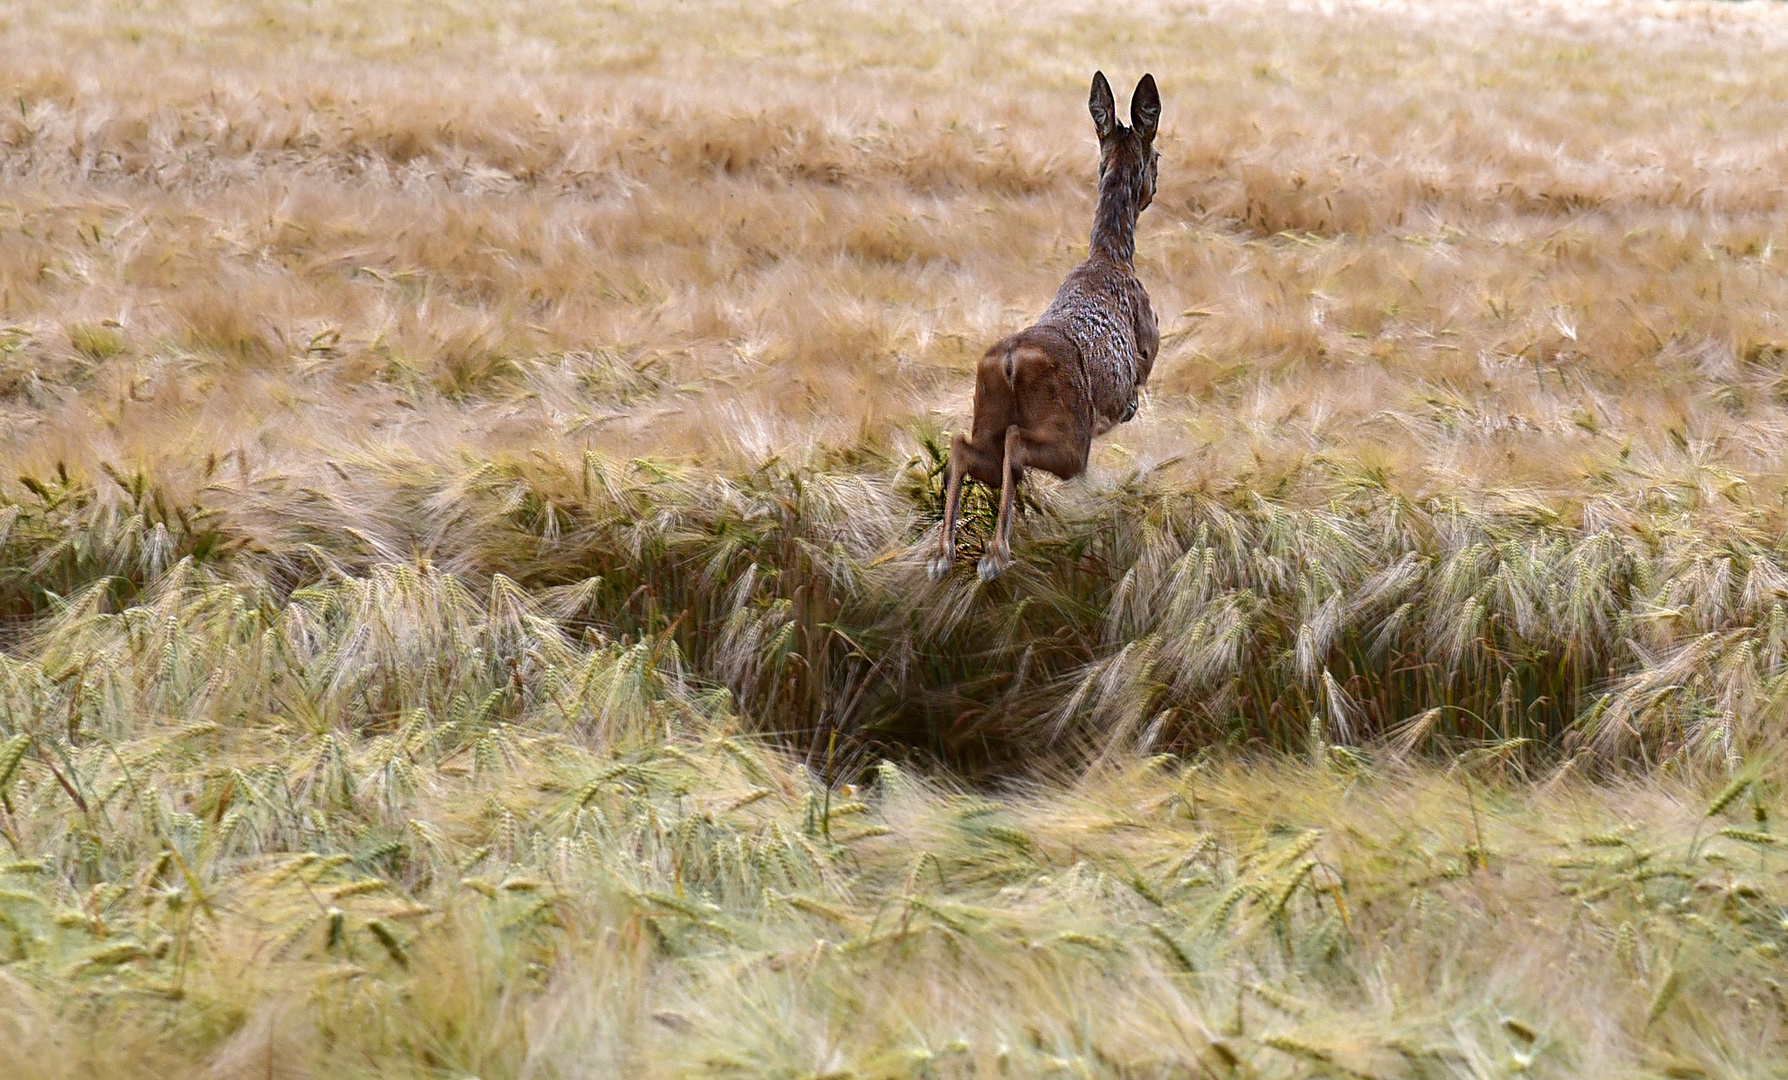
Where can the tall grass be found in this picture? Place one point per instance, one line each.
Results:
(392, 825)
(1142, 616)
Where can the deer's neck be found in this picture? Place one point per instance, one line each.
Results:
(1114, 222)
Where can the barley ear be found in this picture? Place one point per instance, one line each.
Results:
(1727, 795)
(1665, 994)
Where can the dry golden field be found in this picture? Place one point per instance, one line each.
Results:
(1526, 252)
(467, 474)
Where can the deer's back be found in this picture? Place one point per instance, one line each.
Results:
(1099, 308)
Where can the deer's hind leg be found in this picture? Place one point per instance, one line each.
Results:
(999, 549)
(966, 459)
(1062, 454)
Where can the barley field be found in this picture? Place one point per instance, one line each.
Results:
(468, 469)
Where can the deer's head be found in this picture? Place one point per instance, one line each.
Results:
(1128, 153)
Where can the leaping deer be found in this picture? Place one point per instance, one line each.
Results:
(1043, 393)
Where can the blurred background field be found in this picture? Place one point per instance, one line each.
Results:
(468, 465)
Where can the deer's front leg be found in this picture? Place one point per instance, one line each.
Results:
(999, 550)
(946, 545)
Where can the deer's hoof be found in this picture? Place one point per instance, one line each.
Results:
(991, 564)
(939, 566)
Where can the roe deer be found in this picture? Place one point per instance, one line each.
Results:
(1043, 393)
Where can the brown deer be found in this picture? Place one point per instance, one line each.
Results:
(1043, 393)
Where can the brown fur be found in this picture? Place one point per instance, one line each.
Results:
(1043, 393)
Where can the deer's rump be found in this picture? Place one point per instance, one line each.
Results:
(1033, 380)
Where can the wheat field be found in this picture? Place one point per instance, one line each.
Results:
(468, 470)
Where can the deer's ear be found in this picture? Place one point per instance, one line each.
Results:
(1145, 109)
(1103, 107)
